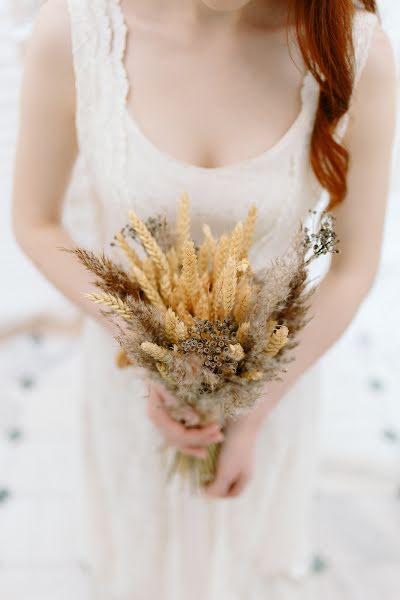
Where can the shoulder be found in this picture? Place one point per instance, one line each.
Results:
(373, 107)
(51, 36)
(377, 60)
(49, 58)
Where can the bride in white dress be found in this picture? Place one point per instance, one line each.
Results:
(212, 97)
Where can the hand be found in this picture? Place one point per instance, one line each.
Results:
(189, 440)
(235, 461)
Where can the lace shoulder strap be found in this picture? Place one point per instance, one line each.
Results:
(363, 31)
(87, 47)
(98, 44)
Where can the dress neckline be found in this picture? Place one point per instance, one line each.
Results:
(136, 130)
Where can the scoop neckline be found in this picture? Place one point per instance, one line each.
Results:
(133, 124)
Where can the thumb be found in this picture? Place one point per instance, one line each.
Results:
(219, 487)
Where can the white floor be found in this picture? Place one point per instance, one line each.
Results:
(42, 550)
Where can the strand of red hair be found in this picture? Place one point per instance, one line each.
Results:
(324, 31)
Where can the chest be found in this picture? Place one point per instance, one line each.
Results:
(211, 98)
(157, 118)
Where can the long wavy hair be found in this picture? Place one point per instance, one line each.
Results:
(324, 33)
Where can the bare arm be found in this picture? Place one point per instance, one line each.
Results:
(360, 219)
(46, 154)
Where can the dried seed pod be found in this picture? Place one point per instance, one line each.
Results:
(175, 329)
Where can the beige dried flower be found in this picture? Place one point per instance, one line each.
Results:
(166, 373)
(122, 361)
(252, 375)
(175, 329)
(271, 324)
(277, 341)
(236, 352)
(243, 266)
(243, 332)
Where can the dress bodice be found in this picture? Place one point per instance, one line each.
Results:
(126, 169)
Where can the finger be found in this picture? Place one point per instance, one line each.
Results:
(197, 452)
(237, 487)
(192, 436)
(177, 434)
(219, 487)
(203, 436)
(187, 436)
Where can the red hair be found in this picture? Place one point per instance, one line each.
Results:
(324, 32)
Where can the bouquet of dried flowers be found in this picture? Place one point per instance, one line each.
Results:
(200, 320)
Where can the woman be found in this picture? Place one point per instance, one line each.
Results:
(233, 101)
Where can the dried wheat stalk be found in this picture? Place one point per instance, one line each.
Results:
(113, 302)
(190, 274)
(248, 230)
(157, 352)
(183, 224)
(129, 252)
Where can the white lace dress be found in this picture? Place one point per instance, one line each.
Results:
(152, 541)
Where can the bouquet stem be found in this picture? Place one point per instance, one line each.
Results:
(198, 472)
